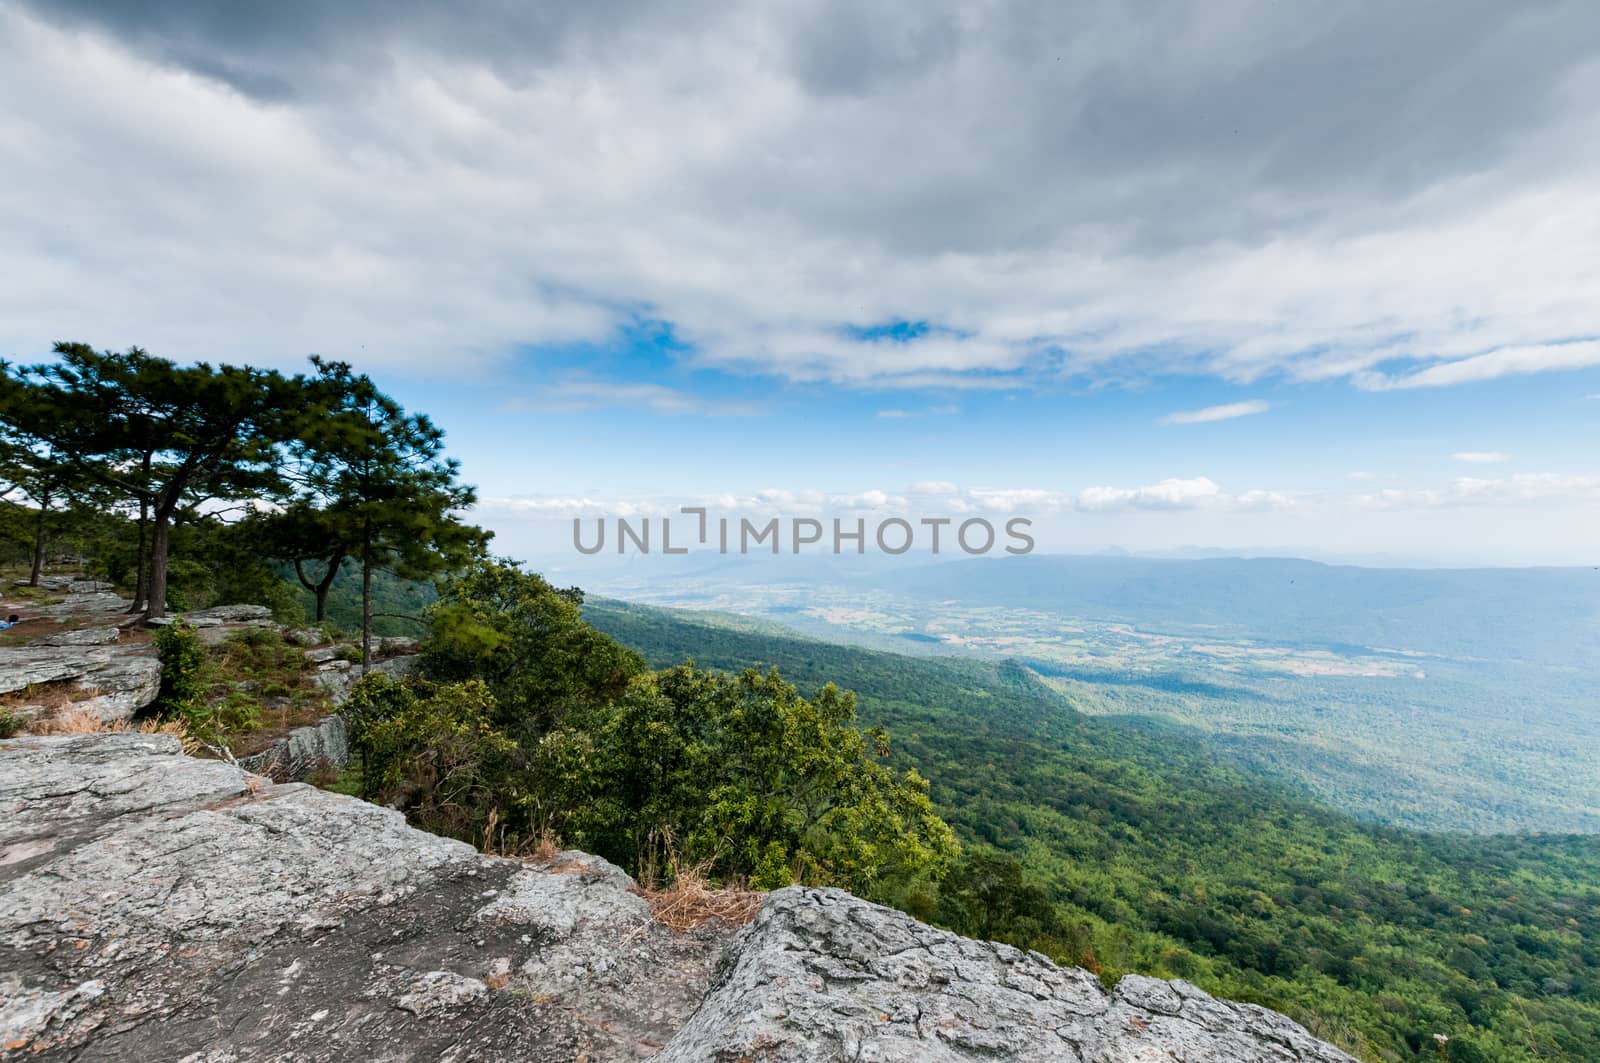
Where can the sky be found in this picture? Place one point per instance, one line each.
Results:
(1242, 276)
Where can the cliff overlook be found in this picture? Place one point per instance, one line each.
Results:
(164, 907)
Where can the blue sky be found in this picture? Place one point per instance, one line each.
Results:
(600, 431)
(1160, 276)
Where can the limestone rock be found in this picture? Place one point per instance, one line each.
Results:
(302, 636)
(157, 907)
(395, 667)
(90, 603)
(229, 614)
(112, 681)
(88, 636)
(821, 974)
(301, 752)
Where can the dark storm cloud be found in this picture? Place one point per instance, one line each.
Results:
(1104, 188)
(275, 50)
(1163, 124)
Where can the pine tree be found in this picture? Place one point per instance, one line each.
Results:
(371, 485)
(164, 437)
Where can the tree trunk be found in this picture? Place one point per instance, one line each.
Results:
(38, 541)
(366, 609)
(141, 581)
(157, 604)
(321, 589)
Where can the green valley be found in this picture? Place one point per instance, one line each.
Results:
(1152, 852)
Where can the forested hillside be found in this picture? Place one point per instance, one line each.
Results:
(1157, 857)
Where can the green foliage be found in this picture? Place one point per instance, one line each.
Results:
(370, 483)
(10, 723)
(528, 641)
(356, 475)
(743, 777)
(157, 435)
(222, 564)
(1156, 856)
(399, 606)
(182, 656)
(529, 720)
(988, 897)
(434, 750)
(76, 538)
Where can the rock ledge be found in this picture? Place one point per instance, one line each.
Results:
(159, 907)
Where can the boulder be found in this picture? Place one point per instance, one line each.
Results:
(302, 636)
(97, 602)
(125, 685)
(821, 974)
(303, 751)
(395, 667)
(112, 681)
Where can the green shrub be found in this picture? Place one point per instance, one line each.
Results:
(238, 712)
(10, 723)
(182, 656)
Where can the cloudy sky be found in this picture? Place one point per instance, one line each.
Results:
(1254, 275)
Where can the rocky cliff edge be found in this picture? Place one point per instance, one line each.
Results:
(156, 907)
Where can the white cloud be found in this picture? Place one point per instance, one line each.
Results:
(1265, 499)
(1011, 500)
(580, 394)
(1504, 361)
(1480, 457)
(1168, 494)
(1225, 412)
(1520, 490)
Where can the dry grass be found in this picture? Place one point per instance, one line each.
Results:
(53, 697)
(79, 721)
(689, 903)
(546, 845)
(494, 841)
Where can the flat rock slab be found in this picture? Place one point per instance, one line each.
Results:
(157, 907)
(87, 636)
(110, 681)
(229, 614)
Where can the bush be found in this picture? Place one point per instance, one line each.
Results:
(182, 656)
(10, 723)
(528, 641)
(743, 777)
(432, 751)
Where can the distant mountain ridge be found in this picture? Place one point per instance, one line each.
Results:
(1543, 615)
